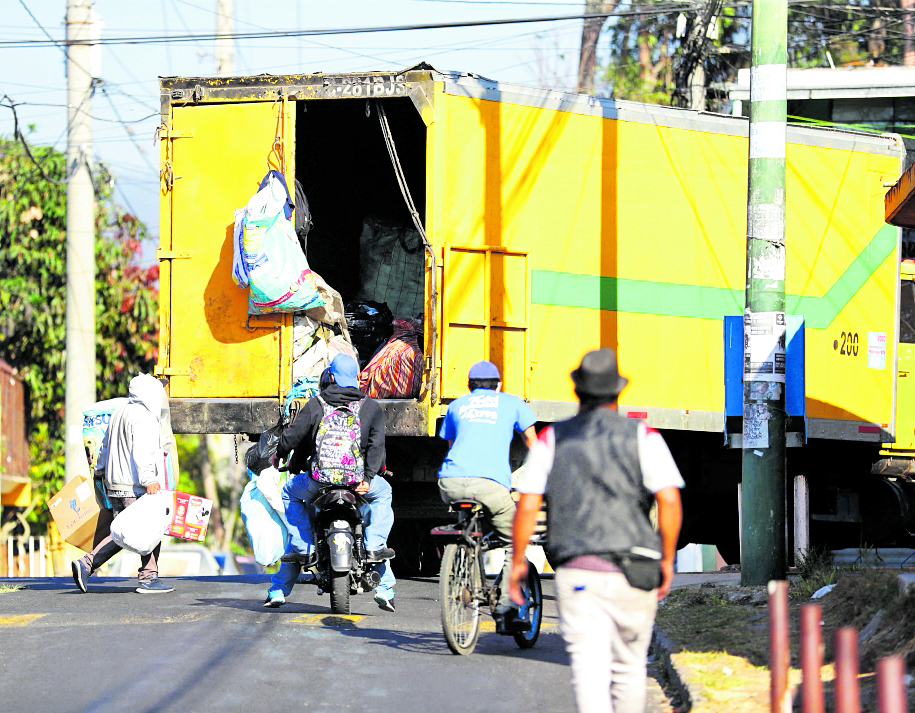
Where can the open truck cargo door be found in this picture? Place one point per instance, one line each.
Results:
(214, 158)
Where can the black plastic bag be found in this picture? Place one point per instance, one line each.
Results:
(258, 456)
(370, 325)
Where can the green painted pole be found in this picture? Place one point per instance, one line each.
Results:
(764, 468)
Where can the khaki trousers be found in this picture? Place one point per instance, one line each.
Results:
(607, 628)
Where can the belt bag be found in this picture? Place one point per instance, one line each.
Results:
(641, 572)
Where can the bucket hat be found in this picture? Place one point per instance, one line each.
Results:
(598, 374)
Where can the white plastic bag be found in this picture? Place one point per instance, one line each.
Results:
(140, 526)
(266, 530)
(270, 483)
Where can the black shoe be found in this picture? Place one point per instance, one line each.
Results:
(154, 586)
(300, 559)
(385, 553)
(509, 621)
(80, 574)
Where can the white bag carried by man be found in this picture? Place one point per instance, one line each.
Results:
(141, 526)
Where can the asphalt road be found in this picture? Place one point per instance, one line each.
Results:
(210, 647)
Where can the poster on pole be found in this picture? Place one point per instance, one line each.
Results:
(764, 346)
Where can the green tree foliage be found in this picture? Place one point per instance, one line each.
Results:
(33, 257)
(644, 45)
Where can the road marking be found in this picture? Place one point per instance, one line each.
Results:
(488, 627)
(19, 620)
(339, 621)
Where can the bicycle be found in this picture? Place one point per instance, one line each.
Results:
(464, 587)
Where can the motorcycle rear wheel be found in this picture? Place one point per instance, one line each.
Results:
(339, 592)
(459, 581)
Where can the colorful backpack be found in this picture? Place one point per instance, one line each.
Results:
(338, 452)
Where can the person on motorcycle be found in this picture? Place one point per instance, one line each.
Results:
(479, 427)
(340, 388)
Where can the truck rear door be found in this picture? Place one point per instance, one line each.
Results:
(214, 157)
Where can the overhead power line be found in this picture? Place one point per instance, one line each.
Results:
(656, 9)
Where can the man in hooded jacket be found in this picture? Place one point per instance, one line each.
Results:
(128, 463)
(300, 491)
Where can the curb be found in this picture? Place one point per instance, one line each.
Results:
(689, 694)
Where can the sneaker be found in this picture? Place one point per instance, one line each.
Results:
(274, 600)
(80, 574)
(385, 553)
(154, 586)
(384, 603)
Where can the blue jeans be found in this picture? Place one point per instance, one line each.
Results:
(378, 517)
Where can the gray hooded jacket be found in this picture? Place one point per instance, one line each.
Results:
(131, 451)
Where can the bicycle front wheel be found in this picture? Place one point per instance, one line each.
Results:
(458, 580)
(532, 609)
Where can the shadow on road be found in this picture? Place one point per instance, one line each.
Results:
(257, 605)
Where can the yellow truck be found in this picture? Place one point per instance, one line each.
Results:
(555, 223)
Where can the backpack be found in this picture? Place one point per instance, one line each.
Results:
(338, 456)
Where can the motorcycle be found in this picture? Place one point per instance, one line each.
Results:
(339, 563)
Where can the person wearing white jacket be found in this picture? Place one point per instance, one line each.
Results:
(128, 463)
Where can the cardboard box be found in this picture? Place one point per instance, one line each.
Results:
(76, 510)
(190, 517)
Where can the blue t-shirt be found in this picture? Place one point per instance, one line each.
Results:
(481, 425)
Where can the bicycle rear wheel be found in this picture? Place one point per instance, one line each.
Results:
(458, 580)
(532, 610)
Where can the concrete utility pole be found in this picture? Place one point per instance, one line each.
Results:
(224, 56)
(80, 369)
(764, 468)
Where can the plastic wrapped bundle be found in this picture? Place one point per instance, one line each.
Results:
(370, 325)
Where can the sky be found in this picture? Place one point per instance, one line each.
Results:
(125, 107)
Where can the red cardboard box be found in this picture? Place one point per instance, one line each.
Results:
(190, 517)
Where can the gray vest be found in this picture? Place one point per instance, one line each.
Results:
(597, 503)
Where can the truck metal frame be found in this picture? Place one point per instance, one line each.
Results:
(557, 223)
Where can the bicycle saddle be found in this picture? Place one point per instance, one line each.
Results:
(459, 505)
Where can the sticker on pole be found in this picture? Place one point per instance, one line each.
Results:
(755, 426)
(764, 346)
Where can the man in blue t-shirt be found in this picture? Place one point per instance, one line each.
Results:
(479, 428)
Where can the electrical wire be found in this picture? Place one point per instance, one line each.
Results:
(275, 34)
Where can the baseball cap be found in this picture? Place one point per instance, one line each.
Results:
(345, 371)
(484, 370)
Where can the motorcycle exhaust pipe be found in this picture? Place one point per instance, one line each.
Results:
(371, 579)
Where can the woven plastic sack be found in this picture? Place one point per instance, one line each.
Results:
(139, 527)
(391, 267)
(279, 279)
(266, 530)
(396, 370)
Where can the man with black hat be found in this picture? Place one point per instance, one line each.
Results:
(479, 427)
(600, 473)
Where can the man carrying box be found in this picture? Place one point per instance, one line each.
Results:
(127, 462)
